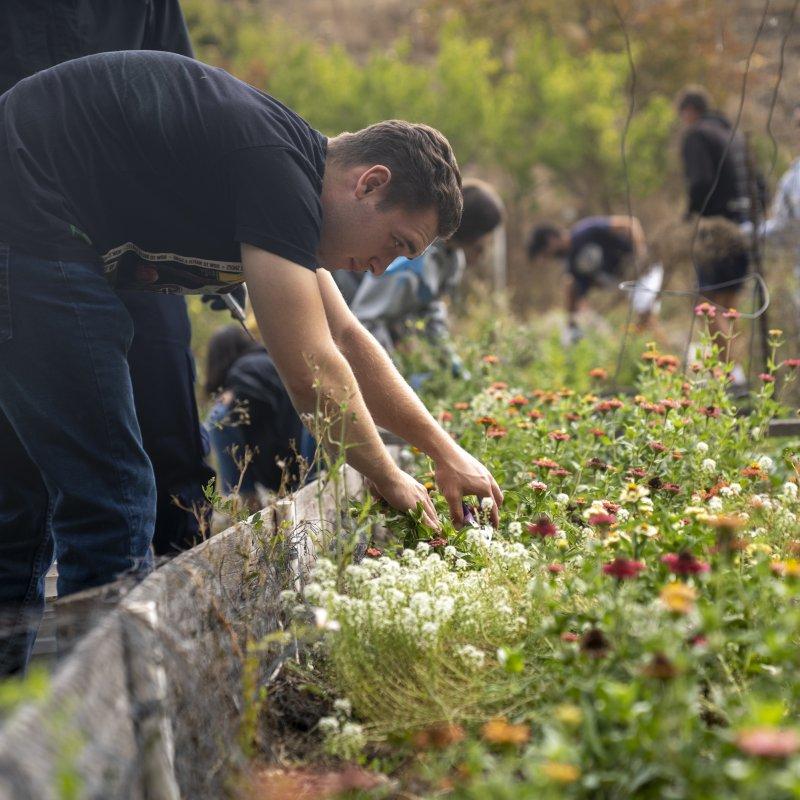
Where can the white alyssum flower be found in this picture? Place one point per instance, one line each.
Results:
(701, 447)
(766, 463)
(328, 725)
(789, 490)
(487, 504)
(708, 465)
(287, 596)
(562, 499)
(343, 706)
(472, 655)
(715, 504)
(623, 515)
(515, 529)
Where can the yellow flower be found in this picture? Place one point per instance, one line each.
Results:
(562, 544)
(500, 731)
(568, 714)
(559, 772)
(678, 597)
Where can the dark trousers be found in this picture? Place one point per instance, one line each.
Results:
(74, 476)
(163, 375)
(76, 464)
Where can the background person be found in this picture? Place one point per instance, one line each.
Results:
(594, 251)
(419, 288)
(221, 183)
(252, 410)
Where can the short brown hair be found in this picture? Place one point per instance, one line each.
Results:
(424, 170)
(483, 211)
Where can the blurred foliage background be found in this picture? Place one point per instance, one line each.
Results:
(533, 94)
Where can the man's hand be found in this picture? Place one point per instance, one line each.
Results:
(402, 492)
(459, 474)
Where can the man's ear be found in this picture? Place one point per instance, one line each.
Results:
(373, 180)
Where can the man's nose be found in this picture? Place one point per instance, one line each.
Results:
(380, 265)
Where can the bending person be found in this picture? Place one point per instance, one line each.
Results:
(151, 171)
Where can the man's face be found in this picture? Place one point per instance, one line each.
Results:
(362, 234)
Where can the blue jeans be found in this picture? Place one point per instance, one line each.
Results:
(74, 476)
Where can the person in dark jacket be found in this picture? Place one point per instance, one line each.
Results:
(252, 412)
(33, 37)
(718, 186)
(714, 160)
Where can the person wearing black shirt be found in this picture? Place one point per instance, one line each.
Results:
(33, 37)
(156, 172)
(593, 250)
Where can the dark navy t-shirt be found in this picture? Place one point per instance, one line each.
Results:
(158, 166)
(596, 250)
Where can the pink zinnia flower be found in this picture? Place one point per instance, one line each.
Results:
(768, 742)
(766, 377)
(705, 310)
(731, 313)
(623, 568)
(792, 363)
(555, 569)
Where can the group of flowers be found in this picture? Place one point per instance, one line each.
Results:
(638, 604)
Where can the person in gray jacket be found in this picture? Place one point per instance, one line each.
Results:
(416, 288)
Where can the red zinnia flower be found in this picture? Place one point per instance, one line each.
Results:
(667, 362)
(518, 400)
(766, 377)
(623, 568)
(373, 552)
(496, 431)
(597, 432)
(446, 416)
(604, 406)
(569, 636)
(486, 421)
(439, 541)
(684, 563)
(542, 527)
(712, 412)
(657, 447)
(555, 569)
(792, 363)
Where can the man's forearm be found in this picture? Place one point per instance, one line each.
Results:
(390, 400)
